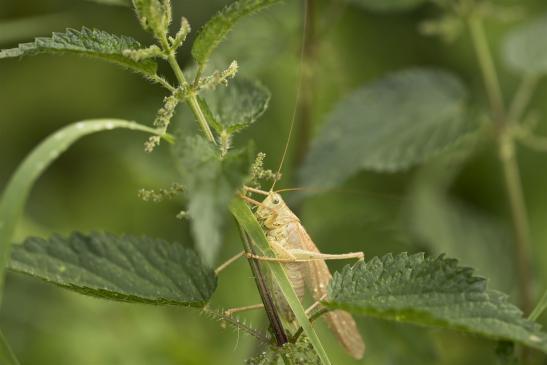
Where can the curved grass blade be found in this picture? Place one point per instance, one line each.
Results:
(17, 190)
(247, 220)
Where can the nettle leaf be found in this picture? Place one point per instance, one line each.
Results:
(388, 5)
(211, 182)
(389, 125)
(87, 42)
(432, 292)
(123, 268)
(237, 106)
(524, 48)
(214, 31)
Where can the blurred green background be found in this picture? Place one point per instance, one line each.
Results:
(94, 186)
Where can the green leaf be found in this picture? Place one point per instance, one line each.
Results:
(524, 48)
(432, 292)
(248, 222)
(7, 357)
(388, 125)
(87, 42)
(15, 195)
(301, 352)
(388, 5)
(123, 268)
(238, 105)
(210, 182)
(214, 31)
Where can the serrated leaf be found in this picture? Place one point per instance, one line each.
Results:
(388, 125)
(214, 31)
(122, 268)
(18, 188)
(238, 105)
(210, 182)
(87, 42)
(524, 49)
(432, 292)
(388, 5)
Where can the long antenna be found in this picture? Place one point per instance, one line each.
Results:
(298, 91)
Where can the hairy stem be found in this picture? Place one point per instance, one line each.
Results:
(191, 99)
(506, 150)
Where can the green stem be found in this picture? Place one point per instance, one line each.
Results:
(520, 220)
(488, 68)
(506, 150)
(191, 99)
(522, 98)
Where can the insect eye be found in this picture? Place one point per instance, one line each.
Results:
(276, 201)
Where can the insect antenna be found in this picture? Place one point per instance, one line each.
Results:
(298, 92)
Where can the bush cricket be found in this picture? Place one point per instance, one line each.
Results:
(305, 265)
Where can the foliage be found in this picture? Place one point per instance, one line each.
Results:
(211, 181)
(86, 42)
(236, 107)
(16, 192)
(214, 31)
(299, 353)
(524, 51)
(400, 121)
(431, 291)
(430, 115)
(125, 268)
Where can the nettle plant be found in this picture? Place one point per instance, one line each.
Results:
(389, 125)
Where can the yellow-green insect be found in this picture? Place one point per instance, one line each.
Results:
(305, 265)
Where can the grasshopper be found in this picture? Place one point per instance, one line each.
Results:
(305, 265)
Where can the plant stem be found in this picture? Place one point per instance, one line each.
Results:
(488, 69)
(191, 99)
(275, 322)
(506, 151)
(305, 104)
(520, 220)
(522, 98)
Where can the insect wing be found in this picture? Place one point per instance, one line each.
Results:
(340, 322)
